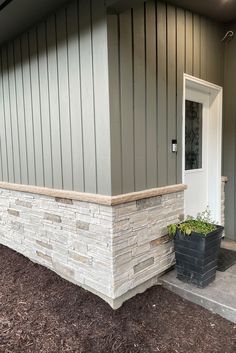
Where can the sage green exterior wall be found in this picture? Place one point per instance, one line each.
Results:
(229, 135)
(54, 102)
(57, 128)
(150, 47)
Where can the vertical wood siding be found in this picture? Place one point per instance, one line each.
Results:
(229, 134)
(150, 47)
(54, 102)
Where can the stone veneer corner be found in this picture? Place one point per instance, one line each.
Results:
(113, 251)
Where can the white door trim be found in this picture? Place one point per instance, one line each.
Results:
(216, 93)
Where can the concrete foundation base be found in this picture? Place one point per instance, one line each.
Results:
(219, 297)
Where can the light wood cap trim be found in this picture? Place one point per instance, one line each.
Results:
(94, 198)
(64, 194)
(139, 195)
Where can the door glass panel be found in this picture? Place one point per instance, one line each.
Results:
(193, 135)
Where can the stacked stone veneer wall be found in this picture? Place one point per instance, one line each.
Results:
(114, 251)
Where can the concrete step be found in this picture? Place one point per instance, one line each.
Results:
(219, 297)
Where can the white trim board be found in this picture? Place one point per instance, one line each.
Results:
(214, 165)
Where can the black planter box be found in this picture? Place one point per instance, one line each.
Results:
(196, 256)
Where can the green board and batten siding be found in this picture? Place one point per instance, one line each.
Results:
(150, 47)
(54, 95)
(57, 127)
(229, 134)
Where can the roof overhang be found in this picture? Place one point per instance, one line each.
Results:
(117, 6)
(219, 10)
(17, 16)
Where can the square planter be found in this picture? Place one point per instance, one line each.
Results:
(196, 256)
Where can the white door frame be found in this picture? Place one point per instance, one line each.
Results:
(215, 94)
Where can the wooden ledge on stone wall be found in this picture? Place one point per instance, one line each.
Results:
(139, 195)
(94, 198)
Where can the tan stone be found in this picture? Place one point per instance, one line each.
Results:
(159, 241)
(13, 212)
(82, 225)
(65, 201)
(80, 258)
(52, 217)
(44, 245)
(144, 264)
(24, 203)
(63, 270)
(44, 256)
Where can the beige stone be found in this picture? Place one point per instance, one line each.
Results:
(64, 270)
(82, 225)
(80, 258)
(144, 264)
(13, 212)
(111, 250)
(44, 245)
(64, 201)
(52, 217)
(23, 203)
(159, 241)
(44, 256)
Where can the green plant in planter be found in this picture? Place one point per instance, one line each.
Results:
(202, 224)
(197, 243)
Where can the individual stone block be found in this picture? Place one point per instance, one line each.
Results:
(82, 225)
(148, 203)
(13, 212)
(64, 201)
(141, 249)
(23, 203)
(64, 270)
(80, 258)
(43, 256)
(52, 217)
(144, 264)
(44, 245)
(159, 241)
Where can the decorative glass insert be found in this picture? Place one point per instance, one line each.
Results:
(193, 135)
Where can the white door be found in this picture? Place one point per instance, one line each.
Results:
(196, 151)
(202, 129)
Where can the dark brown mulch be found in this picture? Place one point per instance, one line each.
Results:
(42, 313)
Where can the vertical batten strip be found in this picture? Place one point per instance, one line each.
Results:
(3, 141)
(151, 93)
(126, 83)
(114, 91)
(6, 95)
(189, 42)
(203, 72)
(53, 102)
(101, 96)
(13, 113)
(44, 103)
(171, 91)
(180, 59)
(196, 46)
(75, 95)
(162, 94)
(21, 111)
(64, 108)
(139, 99)
(87, 96)
(36, 109)
(28, 109)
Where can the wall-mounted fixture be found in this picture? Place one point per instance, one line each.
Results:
(174, 146)
(227, 37)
